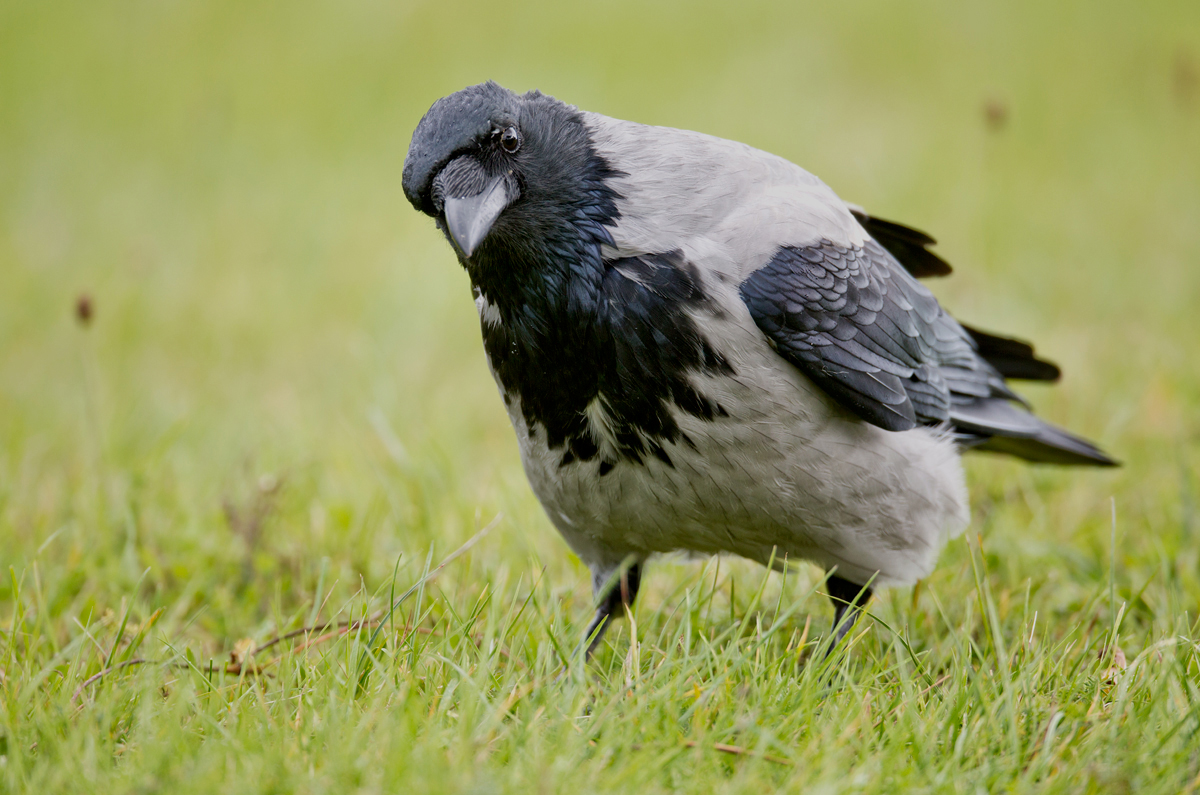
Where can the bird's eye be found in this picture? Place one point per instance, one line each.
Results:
(510, 139)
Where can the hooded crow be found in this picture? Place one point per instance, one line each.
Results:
(702, 348)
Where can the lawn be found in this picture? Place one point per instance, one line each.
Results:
(273, 418)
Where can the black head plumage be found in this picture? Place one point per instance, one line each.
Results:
(514, 176)
(454, 125)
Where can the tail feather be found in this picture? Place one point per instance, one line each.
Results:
(999, 426)
(994, 423)
(1050, 445)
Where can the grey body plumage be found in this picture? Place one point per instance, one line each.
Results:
(702, 348)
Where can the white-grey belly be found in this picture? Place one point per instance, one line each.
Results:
(787, 471)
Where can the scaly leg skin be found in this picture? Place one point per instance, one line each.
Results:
(847, 597)
(610, 603)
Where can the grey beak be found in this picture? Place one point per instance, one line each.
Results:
(470, 218)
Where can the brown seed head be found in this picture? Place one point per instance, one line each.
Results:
(995, 114)
(84, 309)
(1185, 77)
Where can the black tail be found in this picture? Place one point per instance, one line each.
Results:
(993, 424)
(1052, 445)
(998, 426)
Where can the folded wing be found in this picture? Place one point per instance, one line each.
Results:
(857, 323)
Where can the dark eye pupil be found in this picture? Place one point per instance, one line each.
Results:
(510, 140)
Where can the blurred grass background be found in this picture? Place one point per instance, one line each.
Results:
(282, 387)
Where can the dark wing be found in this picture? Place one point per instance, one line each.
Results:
(909, 246)
(860, 327)
(877, 341)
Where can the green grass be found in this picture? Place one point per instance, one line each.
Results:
(280, 415)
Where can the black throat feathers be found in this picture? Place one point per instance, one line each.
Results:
(569, 332)
(624, 343)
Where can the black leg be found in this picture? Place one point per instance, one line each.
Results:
(847, 597)
(610, 604)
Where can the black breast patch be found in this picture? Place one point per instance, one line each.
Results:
(628, 339)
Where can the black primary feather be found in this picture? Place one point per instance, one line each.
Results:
(1012, 358)
(909, 246)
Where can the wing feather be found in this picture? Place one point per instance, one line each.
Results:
(865, 330)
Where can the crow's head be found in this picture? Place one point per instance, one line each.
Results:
(511, 173)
